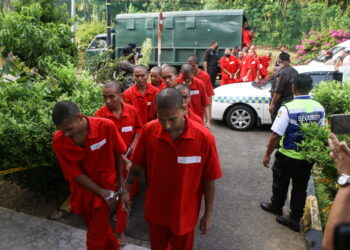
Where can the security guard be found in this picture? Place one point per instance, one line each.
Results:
(289, 163)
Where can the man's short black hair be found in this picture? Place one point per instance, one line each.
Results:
(132, 45)
(126, 51)
(193, 59)
(64, 110)
(169, 98)
(187, 68)
(303, 83)
(157, 69)
(182, 87)
(284, 57)
(140, 66)
(171, 68)
(115, 85)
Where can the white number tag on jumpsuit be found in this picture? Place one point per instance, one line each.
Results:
(189, 159)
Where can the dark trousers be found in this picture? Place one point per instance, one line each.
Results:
(285, 169)
(213, 71)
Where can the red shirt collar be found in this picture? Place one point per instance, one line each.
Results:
(92, 133)
(187, 134)
(110, 114)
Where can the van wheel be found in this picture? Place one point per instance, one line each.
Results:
(241, 118)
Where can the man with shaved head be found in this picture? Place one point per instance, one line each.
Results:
(156, 78)
(200, 102)
(89, 151)
(142, 95)
(181, 164)
(169, 75)
(126, 119)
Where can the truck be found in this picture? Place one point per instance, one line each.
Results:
(184, 33)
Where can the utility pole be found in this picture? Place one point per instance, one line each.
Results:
(108, 23)
(72, 15)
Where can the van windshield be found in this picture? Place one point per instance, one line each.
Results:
(335, 51)
(264, 83)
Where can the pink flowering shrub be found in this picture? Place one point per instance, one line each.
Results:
(314, 42)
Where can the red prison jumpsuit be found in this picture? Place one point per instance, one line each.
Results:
(127, 124)
(194, 117)
(97, 161)
(246, 39)
(253, 64)
(175, 172)
(199, 96)
(231, 65)
(204, 77)
(144, 104)
(265, 63)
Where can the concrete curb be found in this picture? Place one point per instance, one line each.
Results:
(311, 219)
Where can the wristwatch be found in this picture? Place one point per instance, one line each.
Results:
(343, 180)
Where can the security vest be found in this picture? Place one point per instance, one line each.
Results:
(301, 110)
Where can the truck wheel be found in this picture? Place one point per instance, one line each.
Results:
(241, 118)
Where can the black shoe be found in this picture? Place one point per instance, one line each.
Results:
(268, 207)
(289, 222)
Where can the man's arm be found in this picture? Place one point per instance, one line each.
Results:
(120, 171)
(87, 183)
(209, 193)
(275, 98)
(133, 143)
(245, 78)
(207, 115)
(340, 154)
(273, 142)
(135, 171)
(206, 66)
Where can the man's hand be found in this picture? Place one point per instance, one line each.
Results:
(266, 161)
(271, 107)
(207, 124)
(205, 223)
(340, 154)
(125, 200)
(112, 202)
(245, 79)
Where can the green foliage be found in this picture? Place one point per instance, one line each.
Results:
(146, 50)
(51, 11)
(334, 96)
(87, 31)
(34, 42)
(26, 128)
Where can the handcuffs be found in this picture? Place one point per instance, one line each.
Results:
(115, 195)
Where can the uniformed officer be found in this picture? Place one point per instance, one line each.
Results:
(289, 162)
(211, 60)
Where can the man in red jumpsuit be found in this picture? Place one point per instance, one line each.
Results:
(181, 164)
(229, 65)
(200, 102)
(264, 64)
(186, 99)
(142, 95)
(89, 151)
(128, 123)
(156, 78)
(250, 68)
(169, 75)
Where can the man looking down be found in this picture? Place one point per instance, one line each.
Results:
(181, 164)
(89, 151)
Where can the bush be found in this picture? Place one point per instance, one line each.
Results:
(26, 128)
(87, 31)
(335, 98)
(146, 50)
(37, 44)
(314, 42)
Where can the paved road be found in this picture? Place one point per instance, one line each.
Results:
(239, 223)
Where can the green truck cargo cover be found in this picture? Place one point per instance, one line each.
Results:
(185, 33)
